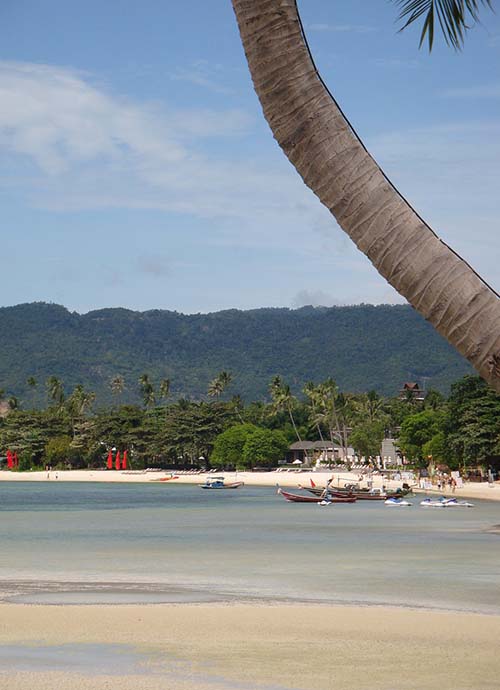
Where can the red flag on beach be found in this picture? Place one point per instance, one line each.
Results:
(124, 460)
(117, 460)
(109, 463)
(15, 460)
(312, 483)
(10, 460)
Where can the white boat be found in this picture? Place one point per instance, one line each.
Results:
(444, 502)
(397, 502)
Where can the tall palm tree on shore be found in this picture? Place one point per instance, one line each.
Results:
(219, 384)
(147, 390)
(283, 400)
(164, 389)
(117, 384)
(332, 410)
(320, 142)
(55, 391)
(313, 393)
(78, 404)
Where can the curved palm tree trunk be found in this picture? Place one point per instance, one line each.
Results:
(318, 140)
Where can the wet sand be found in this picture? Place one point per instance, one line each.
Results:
(244, 647)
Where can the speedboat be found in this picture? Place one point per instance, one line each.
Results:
(444, 502)
(397, 502)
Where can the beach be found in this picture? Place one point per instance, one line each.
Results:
(478, 490)
(127, 584)
(197, 647)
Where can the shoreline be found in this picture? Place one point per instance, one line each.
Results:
(244, 646)
(267, 479)
(234, 601)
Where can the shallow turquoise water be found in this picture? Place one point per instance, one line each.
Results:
(86, 543)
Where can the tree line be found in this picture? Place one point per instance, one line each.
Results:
(223, 431)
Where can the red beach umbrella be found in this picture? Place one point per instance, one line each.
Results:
(124, 460)
(117, 460)
(109, 463)
(10, 460)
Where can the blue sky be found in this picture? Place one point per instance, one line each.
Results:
(136, 169)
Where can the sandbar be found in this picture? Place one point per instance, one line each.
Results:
(273, 647)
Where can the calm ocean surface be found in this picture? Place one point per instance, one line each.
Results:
(97, 543)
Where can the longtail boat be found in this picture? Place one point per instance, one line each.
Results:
(300, 498)
(219, 483)
(351, 490)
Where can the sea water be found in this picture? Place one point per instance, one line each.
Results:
(129, 543)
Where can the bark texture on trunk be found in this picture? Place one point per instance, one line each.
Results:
(332, 161)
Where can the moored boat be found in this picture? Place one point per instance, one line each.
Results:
(391, 501)
(444, 502)
(369, 495)
(301, 498)
(362, 494)
(219, 483)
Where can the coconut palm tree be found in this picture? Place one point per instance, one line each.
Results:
(219, 384)
(283, 400)
(318, 139)
(453, 17)
(313, 393)
(147, 390)
(117, 384)
(13, 403)
(238, 407)
(55, 391)
(164, 390)
(80, 401)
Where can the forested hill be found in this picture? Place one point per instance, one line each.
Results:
(362, 347)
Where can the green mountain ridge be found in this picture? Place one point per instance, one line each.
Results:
(362, 347)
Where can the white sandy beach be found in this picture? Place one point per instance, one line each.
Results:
(245, 646)
(286, 479)
(196, 647)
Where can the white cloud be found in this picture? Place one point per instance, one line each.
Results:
(91, 149)
(68, 144)
(315, 298)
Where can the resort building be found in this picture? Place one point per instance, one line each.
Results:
(310, 452)
(412, 390)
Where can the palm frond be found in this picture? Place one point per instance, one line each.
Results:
(453, 17)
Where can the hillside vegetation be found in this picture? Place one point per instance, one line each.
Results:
(362, 347)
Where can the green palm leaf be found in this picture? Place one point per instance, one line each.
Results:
(452, 15)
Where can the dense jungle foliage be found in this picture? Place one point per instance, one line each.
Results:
(362, 347)
(69, 432)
